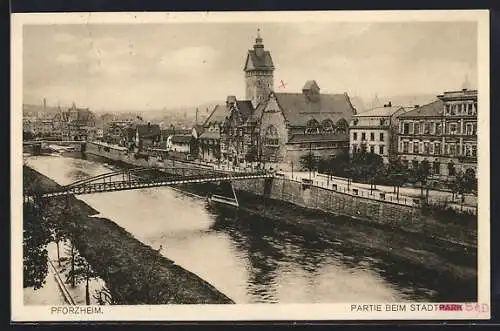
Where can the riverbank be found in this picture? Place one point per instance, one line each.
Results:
(447, 244)
(134, 272)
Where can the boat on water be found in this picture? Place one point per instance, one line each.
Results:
(224, 200)
(215, 199)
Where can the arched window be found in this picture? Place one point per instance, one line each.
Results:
(327, 125)
(312, 127)
(341, 126)
(271, 137)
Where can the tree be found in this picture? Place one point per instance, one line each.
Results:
(252, 154)
(81, 271)
(35, 239)
(422, 173)
(308, 162)
(397, 173)
(36, 234)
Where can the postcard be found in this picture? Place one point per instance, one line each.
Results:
(243, 166)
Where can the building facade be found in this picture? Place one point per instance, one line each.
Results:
(276, 129)
(443, 132)
(75, 123)
(376, 130)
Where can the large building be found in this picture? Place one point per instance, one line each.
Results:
(276, 129)
(376, 131)
(443, 132)
(75, 123)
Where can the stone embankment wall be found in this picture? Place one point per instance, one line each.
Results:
(332, 202)
(120, 154)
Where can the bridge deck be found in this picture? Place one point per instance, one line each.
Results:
(120, 185)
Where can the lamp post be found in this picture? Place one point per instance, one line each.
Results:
(292, 169)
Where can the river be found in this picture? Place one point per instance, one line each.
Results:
(248, 258)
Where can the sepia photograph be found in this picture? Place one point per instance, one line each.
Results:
(312, 165)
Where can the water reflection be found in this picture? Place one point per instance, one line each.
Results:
(254, 259)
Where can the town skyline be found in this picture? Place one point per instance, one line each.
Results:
(177, 64)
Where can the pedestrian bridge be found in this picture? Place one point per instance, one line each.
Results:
(56, 142)
(139, 178)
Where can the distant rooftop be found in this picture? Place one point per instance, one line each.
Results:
(380, 112)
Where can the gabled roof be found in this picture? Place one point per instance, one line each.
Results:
(311, 85)
(181, 139)
(210, 135)
(147, 131)
(198, 128)
(218, 115)
(255, 62)
(221, 113)
(298, 109)
(245, 107)
(432, 109)
(380, 112)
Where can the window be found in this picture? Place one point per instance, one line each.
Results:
(411, 128)
(354, 136)
(431, 148)
(436, 167)
(381, 136)
(372, 136)
(469, 109)
(354, 148)
(415, 147)
(372, 149)
(414, 164)
(381, 149)
(406, 128)
(417, 128)
(382, 122)
(341, 126)
(405, 146)
(271, 137)
(452, 128)
(426, 148)
(327, 125)
(453, 149)
(474, 150)
(363, 136)
(439, 128)
(451, 169)
(468, 150)
(427, 128)
(447, 109)
(312, 127)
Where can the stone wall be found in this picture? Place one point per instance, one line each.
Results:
(338, 203)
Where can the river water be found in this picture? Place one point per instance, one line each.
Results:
(248, 258)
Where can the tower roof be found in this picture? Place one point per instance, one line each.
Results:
(258, 58)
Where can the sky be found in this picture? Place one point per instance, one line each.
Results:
(155, 66)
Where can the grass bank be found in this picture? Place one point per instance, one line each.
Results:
(134, 272)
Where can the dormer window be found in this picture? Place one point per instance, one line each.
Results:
(327, 126)
(312, 127)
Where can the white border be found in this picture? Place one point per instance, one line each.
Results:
(239, 311)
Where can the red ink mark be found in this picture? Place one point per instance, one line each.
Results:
(283, 85)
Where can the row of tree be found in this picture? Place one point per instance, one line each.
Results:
(45, 222)
(368, 167)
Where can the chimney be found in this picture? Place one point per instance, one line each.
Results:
(390, 104)
(416, 106)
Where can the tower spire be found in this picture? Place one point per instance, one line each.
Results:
(258, 40)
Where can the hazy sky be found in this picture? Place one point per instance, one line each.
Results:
(153, 66)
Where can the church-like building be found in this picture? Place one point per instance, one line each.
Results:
(272, 128)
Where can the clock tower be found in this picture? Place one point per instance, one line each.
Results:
(259, 69)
